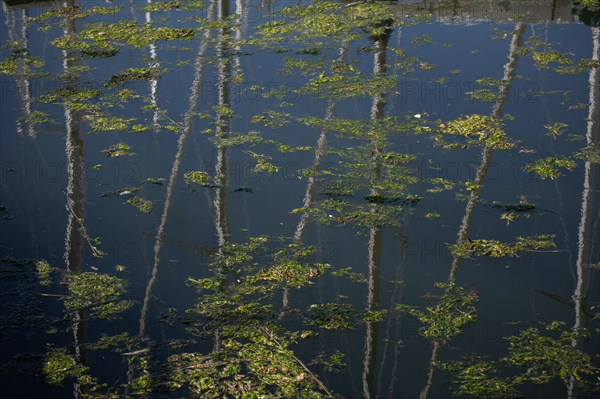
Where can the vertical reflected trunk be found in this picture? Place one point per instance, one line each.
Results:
(222, 127)
(486, 156)
(375, 233)
(154, 81)
(394, 319)
(587, 202)
(186, 128)
(74, 235)
(15, 19)
(310, 190)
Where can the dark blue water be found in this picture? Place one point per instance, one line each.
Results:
(45, 166)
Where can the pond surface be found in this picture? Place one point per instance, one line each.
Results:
(300, 199)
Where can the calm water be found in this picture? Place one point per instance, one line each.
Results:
(327, 126)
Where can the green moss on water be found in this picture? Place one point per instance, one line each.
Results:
(160, 6)
(132, 33)
(474, 130)
(143, 205)
(69, 94)
(119, 150)
(350, 275)
(590, 153)
(99, 294)
(108, 123)
(44, 271)
(132, 74)
(59, 365)
(196, 177)
(331, 316)
(443, 321)
(498, 249)
(551, 167)
(38, 118)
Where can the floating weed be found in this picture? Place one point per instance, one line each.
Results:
(132, 74)
(590, 153)
(374, 316)
(119, 150)
(490, 82)
(59, 364)
(272, 119)
(474, 130)
(441, 322)
(497, 249)
(238, 139)
(143, 205)
(69, 95)
(38, 118)
(486, 95)
(256, 361)
(91, 50)
(99, 294)
(332, 363)
(331, 316)
(589, 63)
(159, 182)
(73, 12)
(104, 123)
(119, 341)
(350, 275)
(263, 163)
(556, 129)
(196, 177)
(512, 212)
(546, 358)
(543, 59)
(476, 377)
(44, 270)
(440, 184)
(20, 65)
(550, 167)
(130, 32)
(160, 6)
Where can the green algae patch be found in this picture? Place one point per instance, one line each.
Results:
(443, 321)
(119, 150)
(99, 294)
(196, 177)
(44, 271)
(132, 74)
(143, 205)
(551, 167)
(132, 33)
(498, 249)
(473, 130)
(59, 364)
(108, 123)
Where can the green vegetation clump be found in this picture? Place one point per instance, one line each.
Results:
(132, 74)
(550, 167)
(143, 205)
(98, 294)
(443, 321)
(498, 249)
(474, 130)
(532, 358)
(119, 150)
(59, 364)
(196, 177)
(44, 271)
(108, 123)
(130, 32)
